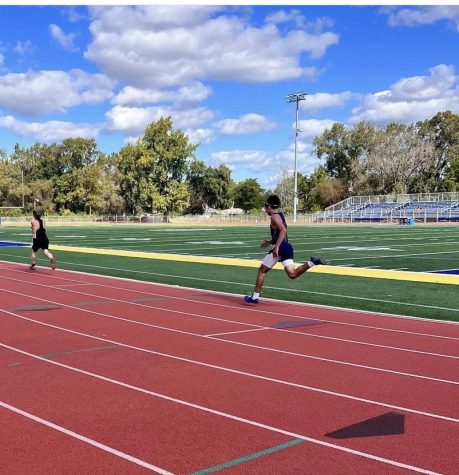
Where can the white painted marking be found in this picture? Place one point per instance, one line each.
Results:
(188, 230)
(216, 242)
(70, 236)
(238, 332)
(244, 284)
(230, 416)
(356, 342)
(243, 373)
(130, 239)
(87, 440)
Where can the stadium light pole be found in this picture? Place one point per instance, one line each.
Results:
(296, 97)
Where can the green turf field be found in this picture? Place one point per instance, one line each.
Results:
(418, 248)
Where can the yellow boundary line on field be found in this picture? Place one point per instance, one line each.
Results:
(224, 261)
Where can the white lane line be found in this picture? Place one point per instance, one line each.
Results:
(179, 312)
(238, 332)
(57, 286)
(230, 416)
(86, 440)
(198, 335)
(234, 371)
(341, 309)
(341, 296)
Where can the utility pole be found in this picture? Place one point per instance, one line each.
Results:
(296, 97)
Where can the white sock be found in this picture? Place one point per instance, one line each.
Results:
(255, 295)
(311, 264)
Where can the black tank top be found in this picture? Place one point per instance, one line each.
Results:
(275, 232)
(41, 232)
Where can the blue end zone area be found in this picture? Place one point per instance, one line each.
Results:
(447, 271)
(12, 244)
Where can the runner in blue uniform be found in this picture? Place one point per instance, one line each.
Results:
(282, 250)
(40, 240)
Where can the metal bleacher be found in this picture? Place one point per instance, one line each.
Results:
(402, 208)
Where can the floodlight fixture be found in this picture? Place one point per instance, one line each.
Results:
(296, 97)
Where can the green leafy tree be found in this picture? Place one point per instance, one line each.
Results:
(59, 175)
(111, 201)
(153, 169)
(209, 187)
(11, 190)
(443, 130)
(248, 195)
(217, 189)
(345, 149)
(311, 198)
(399, 159)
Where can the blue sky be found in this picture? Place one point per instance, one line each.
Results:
(222, 73)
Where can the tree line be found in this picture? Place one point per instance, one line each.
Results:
(159, 173)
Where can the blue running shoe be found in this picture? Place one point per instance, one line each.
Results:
(318, 261)
(249, 299)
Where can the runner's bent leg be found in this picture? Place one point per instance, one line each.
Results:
(294, 273)
(262, 271)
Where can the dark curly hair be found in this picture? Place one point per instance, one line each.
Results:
(273, 201)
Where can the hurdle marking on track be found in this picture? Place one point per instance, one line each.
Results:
(336, 270)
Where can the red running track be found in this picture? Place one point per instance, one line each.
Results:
(105, 375)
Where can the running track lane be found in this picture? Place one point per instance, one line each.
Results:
(148, 428)
(322, 374)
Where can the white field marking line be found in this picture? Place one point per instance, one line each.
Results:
(280, 314)
(197, 315)
(86, 440)
(396, 255)
(174, 243)
(366, 299)
(258, 347)
(392, 244)
(227, 415)
(234, 371)
(287, 302)
(258, 237)
(347, 309)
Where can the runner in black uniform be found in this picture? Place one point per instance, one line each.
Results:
(40, 240)
(282, 250)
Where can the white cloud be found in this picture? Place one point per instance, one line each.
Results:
(194, 92)
(266, 164)
(67, 41)
(283, 16)
(1, 58)
(72, 14)
(425, 15)
(250, 160)
(311, 128)
(43, 92)
(323, 100)
(133, 120)
(159, 46)
(411, 99)
(24, 48)
(199, 136)
(247, 124)
(51, 131)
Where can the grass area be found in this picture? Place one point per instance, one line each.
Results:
(419, 248)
